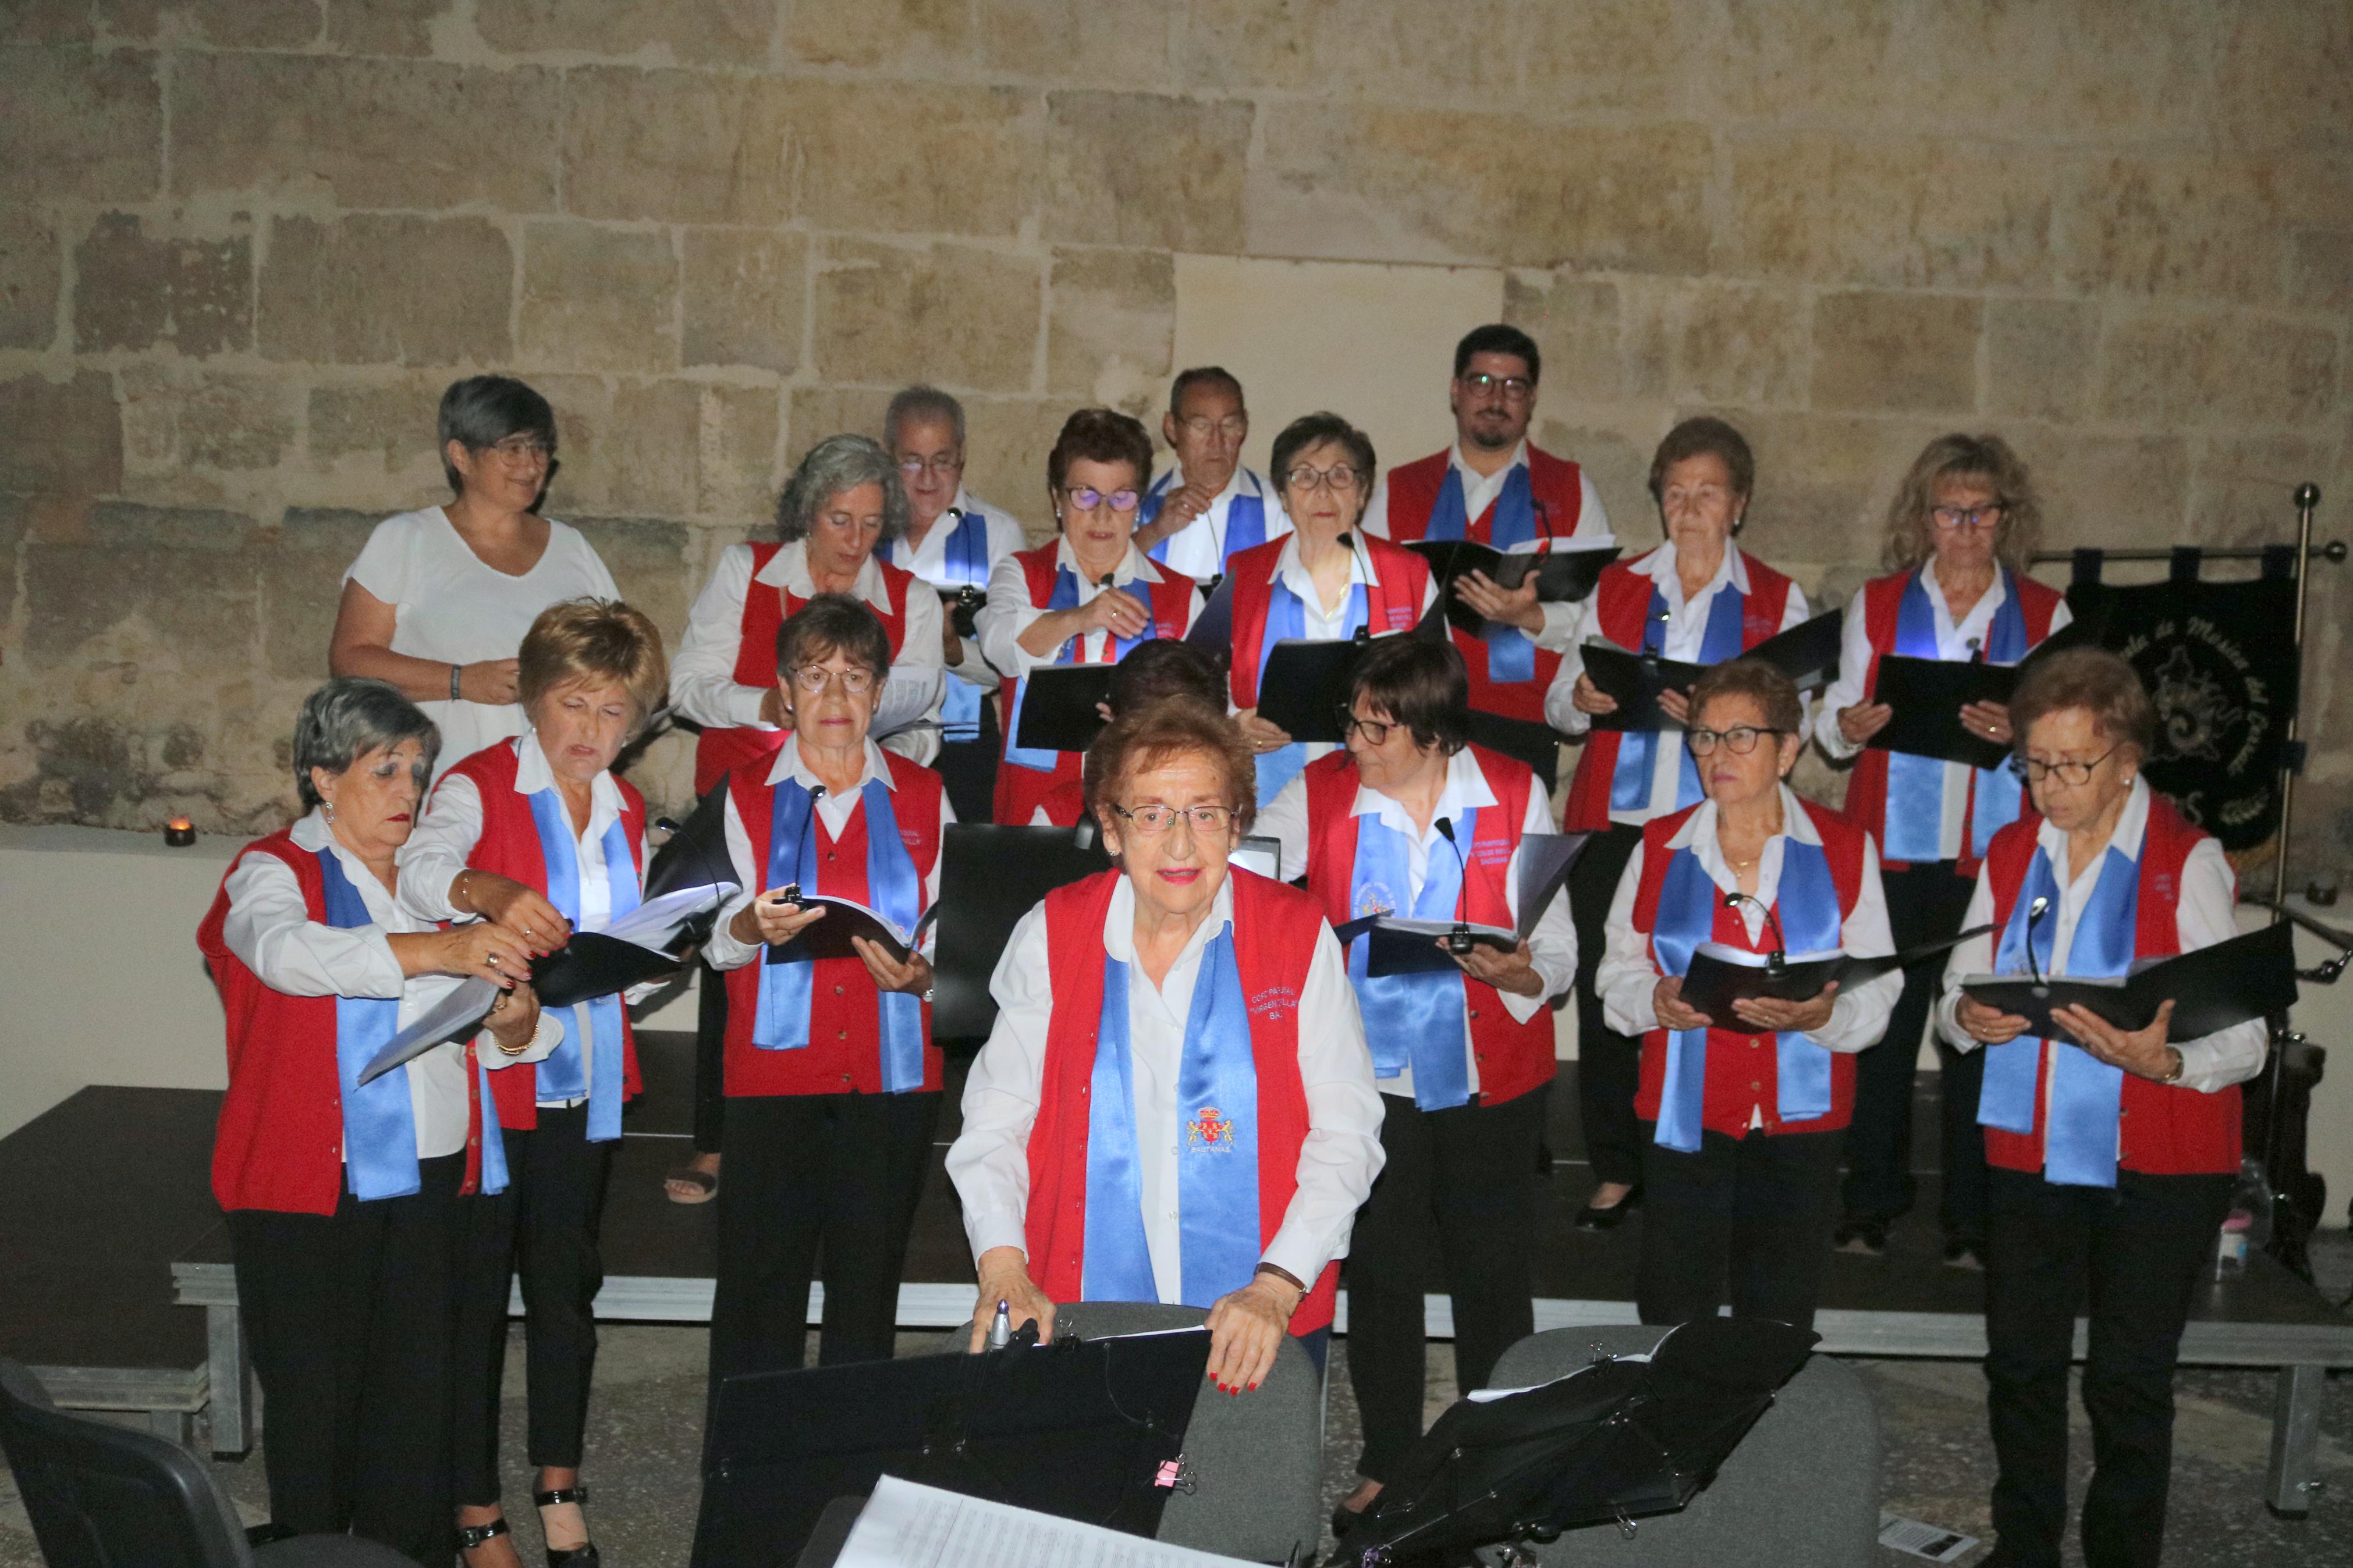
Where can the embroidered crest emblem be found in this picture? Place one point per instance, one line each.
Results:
(1211, 1130)
(1374, 899)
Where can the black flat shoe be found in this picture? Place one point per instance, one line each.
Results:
(1962, 1253)
(1611, 1219)
(568, 1557)
(1865, 1238)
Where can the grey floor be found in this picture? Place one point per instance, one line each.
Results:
(646, 1427)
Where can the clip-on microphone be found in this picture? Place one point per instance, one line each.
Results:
(1777, 962)
(1459, 941)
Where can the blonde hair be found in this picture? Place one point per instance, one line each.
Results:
(1911, 531)
(594, 640)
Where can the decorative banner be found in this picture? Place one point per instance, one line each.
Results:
(2220, 662)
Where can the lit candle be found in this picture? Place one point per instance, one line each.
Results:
(179, 833)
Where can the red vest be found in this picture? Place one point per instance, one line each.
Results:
(1622, 604)
(510, 847)
(844, 1055)
(1392, 605)
(1275, 931)
(1557, 487)
(2165, 1130)
(1743, 1069)
(1866, 788)
(765, 610)
(1063, 805)
(1514, 1057)
(1019, 790)
(279, 1145)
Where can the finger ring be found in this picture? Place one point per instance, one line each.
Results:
(494, 961)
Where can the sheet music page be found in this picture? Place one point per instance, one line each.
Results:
(908, 1525)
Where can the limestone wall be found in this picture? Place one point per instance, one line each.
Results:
(243, 243)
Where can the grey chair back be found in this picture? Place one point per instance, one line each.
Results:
(102, 1496)
(1256, 1459)
(1800, 1491)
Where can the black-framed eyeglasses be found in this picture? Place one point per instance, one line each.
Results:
(1740, 740)
(1152, 821)
(1517, 389)
(1373, 731)
(2073, 774)
(1958, 517)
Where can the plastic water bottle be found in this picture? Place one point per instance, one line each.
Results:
(2247, 1228)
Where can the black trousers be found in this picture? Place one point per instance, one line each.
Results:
(1459, 1189)
(349, 1317)
(1609, 1063)
(2133, 1257)
(1926, 902)
(710, 1059)
(552, 1209)
(839, 1171)
(969, 768)
(1746, 1216)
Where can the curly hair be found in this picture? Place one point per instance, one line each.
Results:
(2102, 683)
(1773, 692)
(836, 464)
(1153, 737)
(1911, 531)
(1098, 436)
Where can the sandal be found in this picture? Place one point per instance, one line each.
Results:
(470, 1536)
(568, 1557)
(705, 1182)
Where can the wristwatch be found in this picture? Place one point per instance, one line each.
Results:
(455, 670)
(2178, 1065)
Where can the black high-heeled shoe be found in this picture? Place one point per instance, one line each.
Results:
(470, 1536)
(568, 1557)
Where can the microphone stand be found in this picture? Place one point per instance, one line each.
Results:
(1459, 941)
(1777, 962)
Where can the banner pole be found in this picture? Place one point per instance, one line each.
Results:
(2307, 497)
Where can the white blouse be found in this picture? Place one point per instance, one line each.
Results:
(448, 604)
(1009, 613)
(989, 1161)
(702, 684)
(269, 928)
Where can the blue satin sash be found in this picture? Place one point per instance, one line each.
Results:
(1216, 1158)
(1412, 1020)
(1043, 759)
(1915, 785)
(1510, 653)
(1286, 616)
(2079, 1145)
(892, 887)
(379, 1118)
(1807, 905)
(563, 1075)
(1631, 784)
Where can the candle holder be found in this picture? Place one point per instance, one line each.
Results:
(180, 833)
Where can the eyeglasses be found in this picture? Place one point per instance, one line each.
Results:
(1515, 388)
(1339, 478)
(2073, 774)
(1200, 426)
(814, 678)
(1740, 740)
(944, 463)
(1152, 821)
(1373, 731)
(1953, 517)
(521, 449)
(1087, 499)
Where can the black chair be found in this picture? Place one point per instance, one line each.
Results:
(102, 1496)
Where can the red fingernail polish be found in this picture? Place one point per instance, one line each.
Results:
(1253, 1388)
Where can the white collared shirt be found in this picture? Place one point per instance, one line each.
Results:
(269, 928)
(1957, 641)
(723, 950)
(1319, 623)
(1198, 549)
(1552, 947)
(1627, 978)
(1479, 492)
(929, 560)
(1684, 633)
(702, 684)
(450, 827)
(989, 1162)
(2202, 915)
(1009, 613)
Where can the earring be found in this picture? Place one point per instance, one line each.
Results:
(329, 806)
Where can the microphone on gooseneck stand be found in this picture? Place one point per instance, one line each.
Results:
(1976, 650)
(2034, 913)
(1778, 961)
(1458, 940)
(1348, 543)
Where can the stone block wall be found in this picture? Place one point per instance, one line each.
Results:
(245, 243)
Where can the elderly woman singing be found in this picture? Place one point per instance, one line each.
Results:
(1155, 1022)
(352, 1206)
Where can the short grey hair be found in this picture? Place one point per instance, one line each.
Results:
(481, 411)
(836, 464)
(345, 719)
(920, 404)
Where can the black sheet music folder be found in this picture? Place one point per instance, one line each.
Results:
(1058, 706)
(991, 874)
(1564, 573)
(1079, 1429)
(2212, 989)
